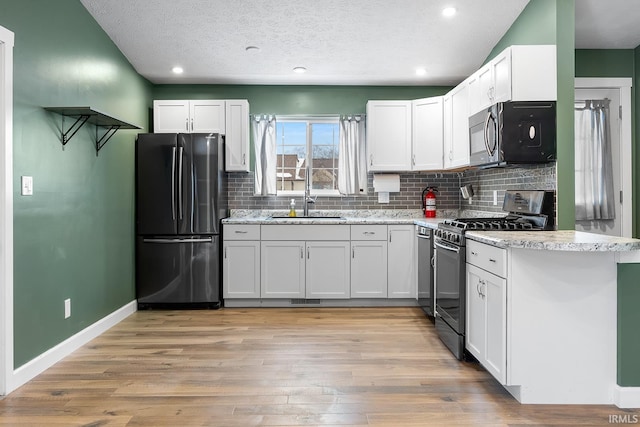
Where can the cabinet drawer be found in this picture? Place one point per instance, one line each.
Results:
(487, 257)
(305, 232)
(241, 232)
(369, 232)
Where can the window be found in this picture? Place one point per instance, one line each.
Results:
(302, 142)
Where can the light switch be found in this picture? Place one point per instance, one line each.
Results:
(27, 185)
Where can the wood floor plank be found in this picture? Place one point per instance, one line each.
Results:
(276, 367)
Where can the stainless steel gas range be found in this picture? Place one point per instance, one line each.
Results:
(528, 210)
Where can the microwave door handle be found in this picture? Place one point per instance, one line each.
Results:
(491, 150)
(486, 134)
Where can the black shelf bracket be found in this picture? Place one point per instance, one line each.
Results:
(89, 115)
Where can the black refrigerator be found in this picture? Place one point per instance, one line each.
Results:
(180, 200)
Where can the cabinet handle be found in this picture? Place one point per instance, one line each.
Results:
(390, 233)
(474, 253)
(308, 250)
(244, 159)
(191, 125)
(225, 252)
(353, 253)
(369, 233)
(433, 261)
(413, 160)
(186, 124)
(240, 232)
(492, 260)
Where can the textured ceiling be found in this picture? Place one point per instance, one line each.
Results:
(355, 42)
(610, 24)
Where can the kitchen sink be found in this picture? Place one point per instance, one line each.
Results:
(307, 218)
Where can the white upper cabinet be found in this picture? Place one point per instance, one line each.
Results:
(427, 137)
(227, 117)
(518, 73)
(207, 116)
(456, 127)
(237, 139)
(171, 116)
(188, 116)
(388, 136)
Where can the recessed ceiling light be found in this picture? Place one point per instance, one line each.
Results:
(299, 70)
(421, 72)
(251, 48)
(177, 70)
(449, 11)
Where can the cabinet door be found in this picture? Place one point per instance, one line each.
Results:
(282, 269)
(327, 270)
(369, 269)
(389, 135)
(241, 269)
(400, 266)
(495, 294)
(447, 131)
(501, 70)
(476, 314)
(427, 138)
(170, 116)
(207, 116)
(237, 137)
(459, 126)
(480, 89)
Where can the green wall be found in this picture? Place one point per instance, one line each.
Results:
(604, 62)
(299, 99)
(553, 22)
(74, 237)
(628, 321)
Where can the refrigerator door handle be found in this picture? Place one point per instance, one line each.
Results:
(173, 185)
(194, 240)
(180, 150)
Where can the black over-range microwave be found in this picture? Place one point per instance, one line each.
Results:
(513, 133)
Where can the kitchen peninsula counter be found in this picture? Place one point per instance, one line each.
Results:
(562, 240)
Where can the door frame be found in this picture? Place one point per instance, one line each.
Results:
(6, 210)
(623, 84)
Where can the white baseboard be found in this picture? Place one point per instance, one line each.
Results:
(626, 397)
(31, 369)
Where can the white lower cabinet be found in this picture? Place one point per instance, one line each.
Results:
(241, 261)
(282, 269)
(327, 270)
(400, 262)
(486, 309)
(369, 269)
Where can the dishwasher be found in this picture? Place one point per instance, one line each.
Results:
(425, 270)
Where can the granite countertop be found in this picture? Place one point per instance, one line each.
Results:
(563, 240)
(350, 217)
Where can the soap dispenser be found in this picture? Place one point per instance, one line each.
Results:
(292, 208)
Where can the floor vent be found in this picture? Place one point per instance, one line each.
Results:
(298, 301)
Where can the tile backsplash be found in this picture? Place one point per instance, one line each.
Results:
(484, 182)
(411, 185)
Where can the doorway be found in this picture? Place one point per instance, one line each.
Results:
(616, 93)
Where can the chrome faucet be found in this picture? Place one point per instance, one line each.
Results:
(307, 192)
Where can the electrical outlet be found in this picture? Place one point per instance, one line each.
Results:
(26, 186)
(67, 308)
(495, 197)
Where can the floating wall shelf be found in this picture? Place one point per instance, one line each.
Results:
(84, 115)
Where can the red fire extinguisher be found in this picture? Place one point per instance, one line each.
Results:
(429, 202)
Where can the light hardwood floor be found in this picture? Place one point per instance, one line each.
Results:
(275, 367)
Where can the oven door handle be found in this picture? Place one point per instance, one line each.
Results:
(422, 236)
(447, 247)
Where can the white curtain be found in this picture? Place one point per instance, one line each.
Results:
(352, 162)
(264, 139)
(593, 158)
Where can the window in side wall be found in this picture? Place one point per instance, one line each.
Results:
(307, 142)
